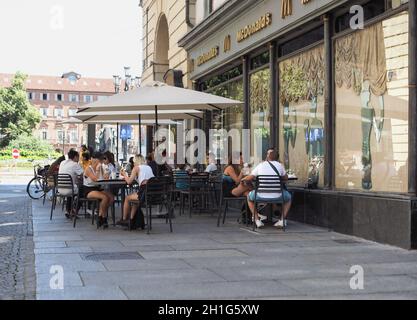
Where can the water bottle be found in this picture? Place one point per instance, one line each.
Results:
(245, 169)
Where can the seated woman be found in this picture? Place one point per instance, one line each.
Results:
(110, 172)
(130, 165)
(91, 175)
(150, 161)
(232, 176)
(85, 160)
(109, 165)
(141, 173)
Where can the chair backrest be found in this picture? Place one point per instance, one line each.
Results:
(181, 179)
(268, 184)
(216, 179)
(199, 181)
(64, 182)
(157, 190)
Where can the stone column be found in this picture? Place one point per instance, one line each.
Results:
(329, 112)
(274, 124)
(412, 114)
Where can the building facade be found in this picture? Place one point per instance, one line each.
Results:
(332, 85)
(164, 23)
(57, 99)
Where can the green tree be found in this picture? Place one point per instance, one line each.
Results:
(30, 147)
(17, 115)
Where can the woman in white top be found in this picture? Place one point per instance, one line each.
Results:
(141, 173)
(91, 175)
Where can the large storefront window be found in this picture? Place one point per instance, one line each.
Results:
(302, 116)
(372, 107)
(260, 114)
(232, 117)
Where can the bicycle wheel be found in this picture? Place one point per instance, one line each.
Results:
(35, 188)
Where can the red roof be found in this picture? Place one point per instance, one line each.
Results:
(49, 83)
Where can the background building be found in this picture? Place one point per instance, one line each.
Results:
(57, 99)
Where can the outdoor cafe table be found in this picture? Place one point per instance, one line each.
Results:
(115, 183)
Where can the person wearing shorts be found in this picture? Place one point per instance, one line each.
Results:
(270, 167)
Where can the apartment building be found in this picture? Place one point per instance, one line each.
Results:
(57, 99)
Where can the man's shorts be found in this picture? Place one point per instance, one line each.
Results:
(285, 197)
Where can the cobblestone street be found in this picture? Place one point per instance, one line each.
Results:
(17, 276)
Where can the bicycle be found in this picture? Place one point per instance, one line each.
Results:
(38, 187)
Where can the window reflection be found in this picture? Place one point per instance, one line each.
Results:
(372, 107)
(302, 116)
(260, 114)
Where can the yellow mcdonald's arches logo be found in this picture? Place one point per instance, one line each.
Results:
(227, 43)
(286, 8)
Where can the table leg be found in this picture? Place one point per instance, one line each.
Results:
(123, 200)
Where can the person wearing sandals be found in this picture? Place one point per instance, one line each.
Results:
(91, 175)
(232, 177)
(141, 173)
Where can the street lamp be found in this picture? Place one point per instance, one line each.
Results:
(128, 78)
(130, 83)
(138, 80)
(117, 81)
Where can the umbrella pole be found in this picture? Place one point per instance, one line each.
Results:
(156, 127)
(156, 117)
(140, 134)
(117, 143)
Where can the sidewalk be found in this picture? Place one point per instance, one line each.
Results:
(201, 261)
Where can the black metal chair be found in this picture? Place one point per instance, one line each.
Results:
(180, 183)
(198, 186)
(215, 188)
(224, 204)
(49, 185)
(158, 191)
(63, 187)
(94, 203)
(269, 185)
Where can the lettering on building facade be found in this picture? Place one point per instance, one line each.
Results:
(249, 30)
(206, 57)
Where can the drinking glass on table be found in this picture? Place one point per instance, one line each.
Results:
(246, 170)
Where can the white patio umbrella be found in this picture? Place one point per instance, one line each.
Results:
(157, 97)
(103, 116)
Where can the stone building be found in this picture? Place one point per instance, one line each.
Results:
(57, 99)
(165, 22)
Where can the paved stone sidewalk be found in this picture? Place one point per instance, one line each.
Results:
(17, 272)
(201, 261)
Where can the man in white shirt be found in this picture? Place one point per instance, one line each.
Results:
(212, 167)
(73, 168)
(270, 167)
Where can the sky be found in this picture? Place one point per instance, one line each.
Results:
(96, 38)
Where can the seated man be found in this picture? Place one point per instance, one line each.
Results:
(211, 167)
(270, 167)
(72, 168)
